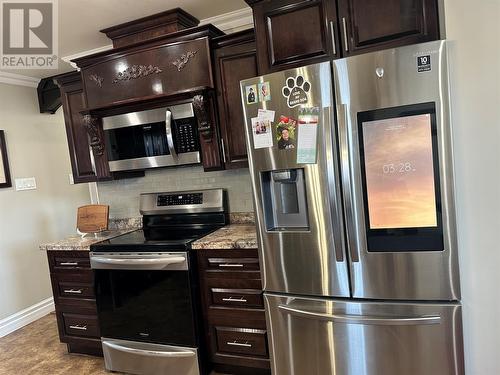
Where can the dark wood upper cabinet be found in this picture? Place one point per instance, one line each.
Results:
(73, 101)
(369, 25)
(292, 33)
(235, 59)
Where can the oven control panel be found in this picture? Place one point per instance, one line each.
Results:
(179, 199)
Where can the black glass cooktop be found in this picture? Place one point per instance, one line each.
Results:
(153, 240)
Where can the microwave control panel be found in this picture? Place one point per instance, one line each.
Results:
(179, 199)
(187, 137)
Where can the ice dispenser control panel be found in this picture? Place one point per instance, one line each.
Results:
(285, 203)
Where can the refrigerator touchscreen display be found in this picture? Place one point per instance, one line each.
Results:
(399, 172)
(400, 178)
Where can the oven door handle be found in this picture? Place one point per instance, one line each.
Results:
(149, 353)
(170, 137)
(139, 261)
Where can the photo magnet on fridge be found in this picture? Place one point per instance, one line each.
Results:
(285, 133)
(264, 92)
(251, 94)
(262, 133)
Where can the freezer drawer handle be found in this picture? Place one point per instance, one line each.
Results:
(79, 327)
(357, 319)
(73, 291)
(231, 265)
(236, 343)
(149, 353)
(232, 299)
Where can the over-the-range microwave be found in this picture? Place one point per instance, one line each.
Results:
(160, 137)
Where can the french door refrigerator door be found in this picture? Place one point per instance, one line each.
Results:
(396, 162)
(327, 336)
(294, 167)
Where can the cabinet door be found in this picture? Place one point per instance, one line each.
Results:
(291, 33)
(369, 25)
(73, 101)
(233, 63)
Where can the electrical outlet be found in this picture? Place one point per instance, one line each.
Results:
(28, 183)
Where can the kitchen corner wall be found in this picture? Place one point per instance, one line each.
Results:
(123, 195)
(473, 31)
(36, 147)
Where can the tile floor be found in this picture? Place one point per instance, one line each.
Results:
(35, 349)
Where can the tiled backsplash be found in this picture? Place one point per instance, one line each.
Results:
(123, 195)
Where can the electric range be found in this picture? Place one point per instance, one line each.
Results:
(146, 285)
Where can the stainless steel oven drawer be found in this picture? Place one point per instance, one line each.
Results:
(318, 336)
(149, 359)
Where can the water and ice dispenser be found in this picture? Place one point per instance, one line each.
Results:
(285, 203)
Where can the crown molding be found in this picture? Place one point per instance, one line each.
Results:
(228, 22)
(232, 21)
(18, 79)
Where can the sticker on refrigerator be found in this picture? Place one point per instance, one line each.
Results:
(307, 135)
(285, 133)
(264, 92)
(424, 63)
(262, 133)
(296, 91)
(251, 94)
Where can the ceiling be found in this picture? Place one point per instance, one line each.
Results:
(81, 20)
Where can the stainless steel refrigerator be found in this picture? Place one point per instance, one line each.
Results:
(352, 174)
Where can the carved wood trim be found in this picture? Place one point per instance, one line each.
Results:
(182, 61)
(97, 79)
(136, 71)
(96, 142)
(205, 127)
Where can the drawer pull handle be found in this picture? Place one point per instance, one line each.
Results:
(73, 291)
(69, 263)
(236, 343)
(231, 265)
(232, 299)
(79, 327)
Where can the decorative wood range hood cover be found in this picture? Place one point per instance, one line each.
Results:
(149, 61)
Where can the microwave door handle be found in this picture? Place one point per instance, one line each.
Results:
(170, 137)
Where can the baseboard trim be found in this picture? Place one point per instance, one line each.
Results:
(26, 316)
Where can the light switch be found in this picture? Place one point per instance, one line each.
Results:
(28, 183)
(71, 179)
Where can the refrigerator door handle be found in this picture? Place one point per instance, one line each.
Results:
(363, 319)
(334, 192)
(346, 171)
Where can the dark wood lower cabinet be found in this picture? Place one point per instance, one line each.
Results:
(233, 309)
(76, 310)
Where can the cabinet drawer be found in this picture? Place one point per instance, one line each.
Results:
(237, 297)
(62, 262)
(80, 325)
(241, 341)
(233, 264)
(75, 289)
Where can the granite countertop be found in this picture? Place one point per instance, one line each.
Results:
(234, 236)
(77, 243)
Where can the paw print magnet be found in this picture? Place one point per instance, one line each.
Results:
(296, 90)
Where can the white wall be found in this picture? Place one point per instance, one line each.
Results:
(473, 27)
(37, 146)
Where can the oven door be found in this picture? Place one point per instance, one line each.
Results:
(158, 137)
(145, 298)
